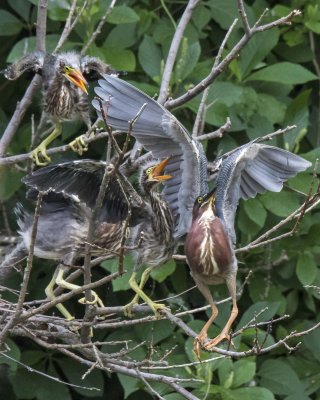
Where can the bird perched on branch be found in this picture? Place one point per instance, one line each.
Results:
(72, 189)
(251, 169)
(64, 90)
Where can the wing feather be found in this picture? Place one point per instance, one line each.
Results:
(158, 131)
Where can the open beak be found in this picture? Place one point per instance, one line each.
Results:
(75, 76)
(158, 169)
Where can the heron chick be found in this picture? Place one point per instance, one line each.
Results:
(65, 79)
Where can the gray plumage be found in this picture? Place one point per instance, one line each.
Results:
(251, 169)
(162, 134)
(77, 184)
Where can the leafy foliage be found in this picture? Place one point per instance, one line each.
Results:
(273, 82)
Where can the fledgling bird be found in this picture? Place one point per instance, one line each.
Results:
(71, 190)
(65, 79)
(209, 246)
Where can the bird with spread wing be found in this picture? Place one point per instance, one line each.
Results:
(206, 217)
(65, 79)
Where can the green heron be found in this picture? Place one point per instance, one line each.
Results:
(251, 169)
(71, 190)
(64, 89)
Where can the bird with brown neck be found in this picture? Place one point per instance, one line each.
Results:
(212, 261)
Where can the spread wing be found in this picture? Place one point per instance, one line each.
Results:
(253, 168)
(161, 133)
(81, 180)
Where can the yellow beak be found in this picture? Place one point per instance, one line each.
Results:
(158, 169)
(75, 76)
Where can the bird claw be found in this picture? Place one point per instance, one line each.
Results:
(96, 300)
(218, 339)
(198, 343)
(127, 309)
(158, 308)
(78, 145)
(39, 156)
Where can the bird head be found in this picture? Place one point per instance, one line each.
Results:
(204, 203)
(76, 77)
(153, 174)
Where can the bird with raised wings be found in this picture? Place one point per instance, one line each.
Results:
(207, 217)
(64, 88)
(251, 169)
(71, 191)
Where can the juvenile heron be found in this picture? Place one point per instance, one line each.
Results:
(72, 189)
(64, 90)
(251, 169)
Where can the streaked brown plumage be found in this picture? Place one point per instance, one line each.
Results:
(64, 90)
(212, 261)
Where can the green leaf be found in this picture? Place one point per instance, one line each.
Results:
(122, 15)
(189, 56)
(129, 384)
(27, 45)
(255, 211)
(279, 378)
(252, 393)
(156, 332)
(271, 108)
(13, 352)
(21, 7)
(256, 50)
(312, 341)
(74, 372)
(224, 12)
(10, 182)
(227, 93)
(121, 37)
(306, 268)
(122, 282)
(150, 57)
(121, 59)
(280, 204)
(244, 371)
(297, 114)
(10, 25)
(283, 72)
(270, 311)
(163, 271)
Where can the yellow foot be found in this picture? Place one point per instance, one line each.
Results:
(127, 309)
(96, 300)
(39, 155)
(157, 308)
(78, 145)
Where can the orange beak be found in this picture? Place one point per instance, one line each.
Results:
(75, 76)
(158, 169)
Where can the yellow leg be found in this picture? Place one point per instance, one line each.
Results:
(51, 296)
(71, 286)
(39, 154)
(155, 307)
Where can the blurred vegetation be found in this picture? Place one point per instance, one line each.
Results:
(273, 83)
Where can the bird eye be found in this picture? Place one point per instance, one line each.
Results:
(66, 68)
(200, 200)
(148, 171)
